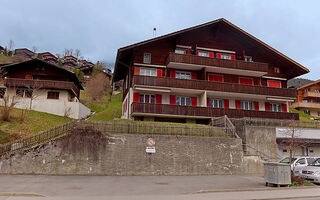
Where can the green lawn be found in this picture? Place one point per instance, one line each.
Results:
(303, 116)
(33, 123)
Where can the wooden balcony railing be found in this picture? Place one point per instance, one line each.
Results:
(305, 105)
(216, 62)
(208, 112)
(311, 94)
(213, 86)
(41, 84)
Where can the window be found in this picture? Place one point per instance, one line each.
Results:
(247, 105)
(311, 150)
(272, 83)
(183, 75)
(148, 72)
(274, 107)
(183, 101)
(248, 58)
(180, 51)
(317, 91)
(2, 92)
(215, 78)
(307, 112)
(307, 90)
(216, 103)
(246, 81)
(276, 70)
(301, 161)
(284, 150)
(147, 58)
(226, 56)
(203, 53)
(305, 100)
(147, 98)
(53, 95)
(27, 93)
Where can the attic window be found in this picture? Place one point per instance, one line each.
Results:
(248, 58)
(277, 70)
(147, 58)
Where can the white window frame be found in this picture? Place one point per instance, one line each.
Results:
(306, 90)
(247, 105)
(183, 101)
(149, 97)
(248, 59)
(180, 51)
(275, 107)
(305, 101)
(225, 56)
(216, 103)
(147, 58)
(203, 53)
(144, 71)
(276, 70)
(183, 75)
(317, 91)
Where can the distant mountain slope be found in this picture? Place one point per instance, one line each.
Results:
(297, 82)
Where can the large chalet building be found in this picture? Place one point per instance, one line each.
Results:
(205, 71)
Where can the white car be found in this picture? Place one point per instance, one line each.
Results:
(312, 172)
(298, 163)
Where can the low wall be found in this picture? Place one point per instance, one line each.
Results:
(125, 154)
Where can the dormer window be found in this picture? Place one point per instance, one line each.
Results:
(147, 58)
(248, 58)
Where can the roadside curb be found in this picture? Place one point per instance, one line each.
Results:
(256, 189)
(18, 194)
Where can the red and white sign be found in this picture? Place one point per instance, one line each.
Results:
(151, 143)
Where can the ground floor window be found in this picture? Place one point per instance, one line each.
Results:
(247, 105)
(216, 103)
(274, 107)
(53, 95)
(183, 101)
(27, 93)
(147, 98)
(307, 112)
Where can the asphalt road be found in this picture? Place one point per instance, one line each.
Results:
(146, 187)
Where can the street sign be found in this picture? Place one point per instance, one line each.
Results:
(151, 145)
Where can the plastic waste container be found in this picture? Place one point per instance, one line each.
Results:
(277, 173)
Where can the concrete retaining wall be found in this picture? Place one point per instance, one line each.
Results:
(125, 155)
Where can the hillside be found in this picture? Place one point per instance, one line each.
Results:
(297, 82)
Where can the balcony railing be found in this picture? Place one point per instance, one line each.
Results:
(213, 86)
(305, 105)
(216, 62)
(311, 94)
(41, 84)
(191, 111)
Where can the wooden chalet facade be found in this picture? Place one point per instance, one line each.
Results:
(43, 86)
(205, 71)
(49, 57)
(308, 99)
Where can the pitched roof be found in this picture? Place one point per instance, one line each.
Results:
(221, 20)
(308, 84)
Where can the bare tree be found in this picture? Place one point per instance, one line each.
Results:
(10, 45)
(97, 86)
(34, 49)
(8, 105)
(77, 53)
(32, 91)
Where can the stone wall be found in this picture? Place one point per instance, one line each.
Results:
(125, 155)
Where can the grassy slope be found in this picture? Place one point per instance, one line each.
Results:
(33, 123)
(303, 116)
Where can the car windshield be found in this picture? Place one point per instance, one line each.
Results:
(286, 160)
(316, 163)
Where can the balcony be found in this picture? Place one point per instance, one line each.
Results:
(311, 94)
(305, 105)
(205, 112)
(213, 86)
(194, 62)
(41, 84)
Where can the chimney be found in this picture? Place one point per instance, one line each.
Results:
(154, 32)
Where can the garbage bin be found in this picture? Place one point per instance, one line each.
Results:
(277, 173)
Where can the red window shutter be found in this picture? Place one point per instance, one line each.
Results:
(246, 81)
(208, 102)
(135, 97)
(218, 55)
(267, 105)
(197, 52)
(284, 108)
(238, 104)
(233, 57)
(158, 98)
(276, 84)
(215, 78)
(256, 105)
(188, 51)
(136, 71)
(194, 75)
(172, 99)
(211, 54)
(159, 72)
(226, 103)
(194, 101)
(172, 73)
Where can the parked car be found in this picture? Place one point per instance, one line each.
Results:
(298, 163)
(312, 171)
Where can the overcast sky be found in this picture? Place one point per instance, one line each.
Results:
(99, 27)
